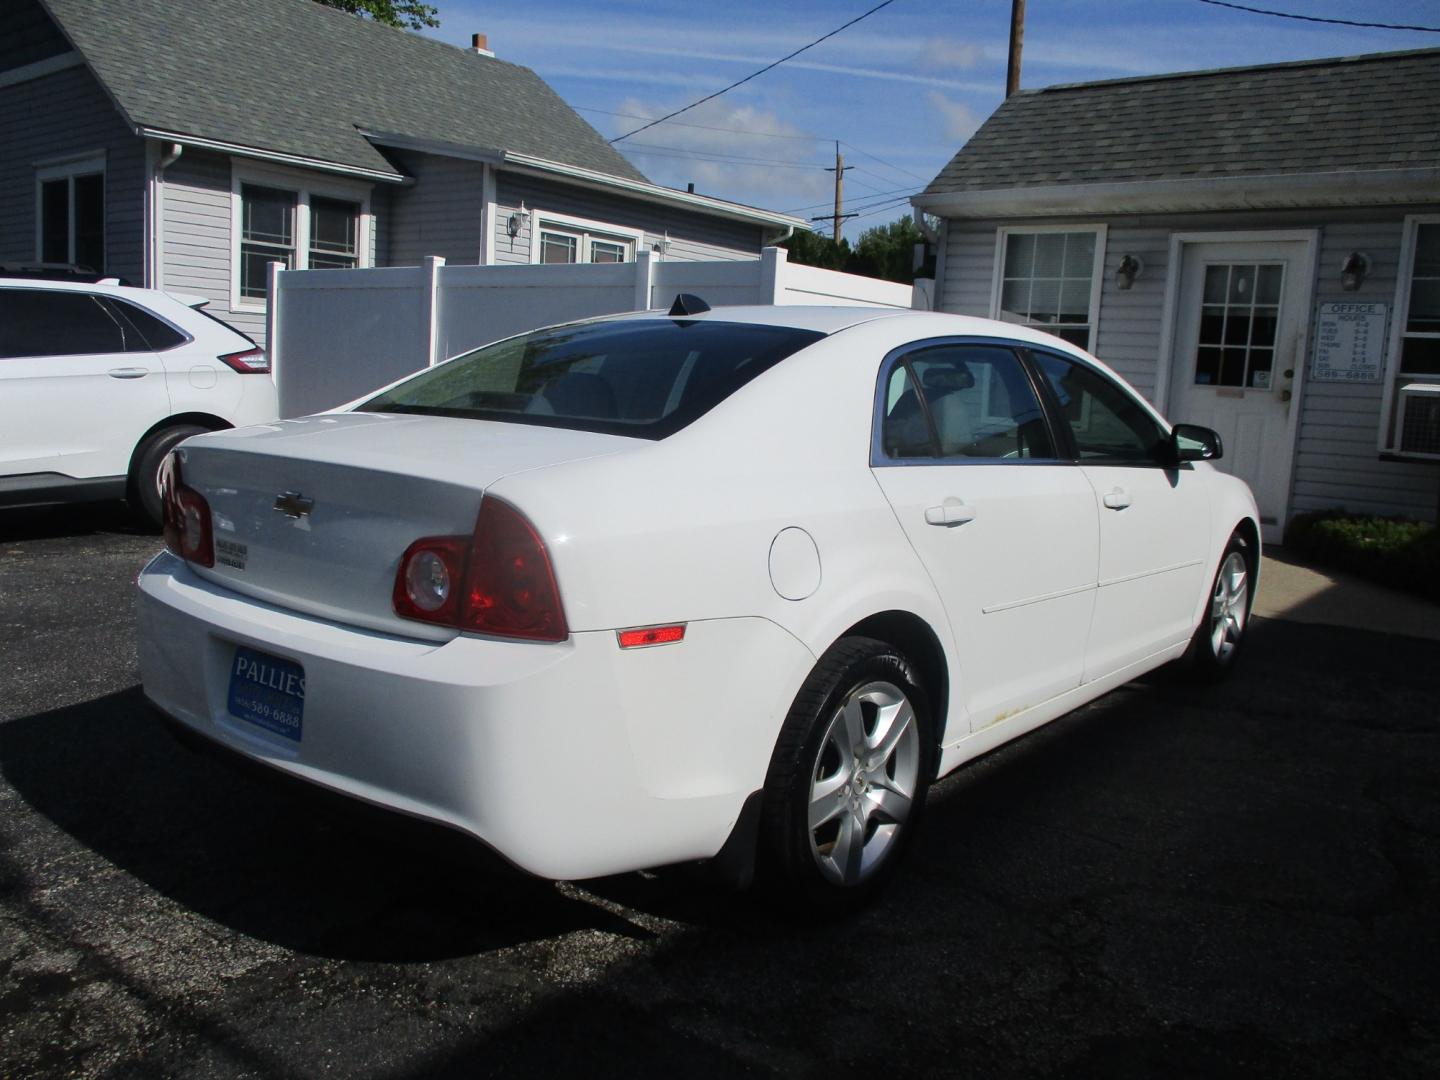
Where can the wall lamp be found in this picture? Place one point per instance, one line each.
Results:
(1355, 270)
(1130, 268)
(516, 222)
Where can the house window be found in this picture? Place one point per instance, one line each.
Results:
(1047, 280)
(71, 214)
(294, 225)
(1420, 339)
(334, 225)
(574, 240)
(267, 234)
(1411, 420)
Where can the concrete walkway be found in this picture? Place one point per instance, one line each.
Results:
(1289, 590)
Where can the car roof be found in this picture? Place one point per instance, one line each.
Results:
(108, 288)
(830, 319)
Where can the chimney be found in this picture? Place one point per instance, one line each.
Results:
(690, 188)
(479, 46)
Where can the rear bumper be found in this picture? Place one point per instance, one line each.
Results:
(571, 760)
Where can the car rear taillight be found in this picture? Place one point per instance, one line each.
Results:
(247, 362)
(186, 517)
(498, 580)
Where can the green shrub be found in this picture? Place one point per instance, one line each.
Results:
(1402, 554)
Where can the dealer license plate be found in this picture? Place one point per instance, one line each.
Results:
(268, 692)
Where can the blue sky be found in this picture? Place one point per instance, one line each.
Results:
(902, 90)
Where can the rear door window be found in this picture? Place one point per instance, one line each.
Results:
(647, 378)
(41, 322)
(963, 401)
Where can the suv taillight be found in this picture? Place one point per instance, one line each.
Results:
(247, 362)
(186, 516)
(498, 580)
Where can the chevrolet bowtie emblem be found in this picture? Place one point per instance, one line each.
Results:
(294, 505)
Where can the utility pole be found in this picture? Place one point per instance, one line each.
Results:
(839, 172)
(1017, 44)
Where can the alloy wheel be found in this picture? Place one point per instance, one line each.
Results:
(863, 783)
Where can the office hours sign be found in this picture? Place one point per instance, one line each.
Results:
(1349, 343)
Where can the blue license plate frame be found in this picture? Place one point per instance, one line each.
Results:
(268, 692)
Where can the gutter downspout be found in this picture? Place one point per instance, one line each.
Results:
(171, 155)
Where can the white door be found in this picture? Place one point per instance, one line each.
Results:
(1239, 331)
(1006, 531)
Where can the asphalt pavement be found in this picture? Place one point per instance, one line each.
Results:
(1238, 881)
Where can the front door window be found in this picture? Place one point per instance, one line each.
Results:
(1238, 322)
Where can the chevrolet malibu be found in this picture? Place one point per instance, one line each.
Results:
(731, 585)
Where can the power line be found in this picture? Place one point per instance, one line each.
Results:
(1319, 19)
(710, 155)
(879, 196)
(897, 168)
(755, 74)
(713, 127)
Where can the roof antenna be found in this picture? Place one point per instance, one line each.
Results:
(688, 304)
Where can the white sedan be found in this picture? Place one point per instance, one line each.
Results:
(729, 585)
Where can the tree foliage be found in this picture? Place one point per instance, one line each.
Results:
(886, 251)
(406, 14)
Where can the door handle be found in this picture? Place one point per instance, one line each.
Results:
(950, 512)
(128, 372)
(1117, 499)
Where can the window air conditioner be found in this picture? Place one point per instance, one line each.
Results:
(1418, 434)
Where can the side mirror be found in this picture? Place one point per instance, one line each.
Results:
(1191, 442)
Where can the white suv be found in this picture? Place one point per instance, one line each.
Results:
(98, 382)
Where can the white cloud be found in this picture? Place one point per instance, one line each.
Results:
(959, 119)
(743, 152)
(946, 54)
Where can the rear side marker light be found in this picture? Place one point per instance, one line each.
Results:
(247, 362)
(645, 636)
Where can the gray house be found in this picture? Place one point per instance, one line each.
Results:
(187, 145)
(1256, 249)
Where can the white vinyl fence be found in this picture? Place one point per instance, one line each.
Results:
(334, 335)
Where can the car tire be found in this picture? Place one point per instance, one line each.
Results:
(143, 488)
(846, 785)
(1215, 648)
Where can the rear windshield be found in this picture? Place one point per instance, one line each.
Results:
(644, 378)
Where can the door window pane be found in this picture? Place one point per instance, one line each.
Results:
(1240, 313)
(1107, 423)
(152, 333)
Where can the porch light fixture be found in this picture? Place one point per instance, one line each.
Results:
(1129, 269)
(515, 222)
(1355, 270)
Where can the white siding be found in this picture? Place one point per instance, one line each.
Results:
(440, 214)
(693, 237)
(68, 114)
(197, 256)
(1336, 462)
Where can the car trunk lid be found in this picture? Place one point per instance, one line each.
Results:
(313, 515)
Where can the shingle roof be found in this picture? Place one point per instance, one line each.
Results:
(1379, 111)
(294, 77)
